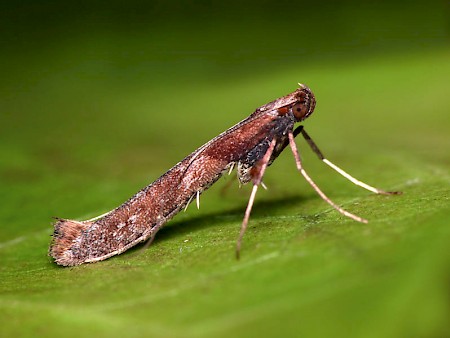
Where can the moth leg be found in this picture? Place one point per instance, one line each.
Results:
(150, 240)
(197, 197)
(226, 186)
(342, 172)
(188, 202)
(314, 185)
(231, 168)
(260, 168)
(152, 234)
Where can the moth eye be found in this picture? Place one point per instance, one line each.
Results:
(300, 111)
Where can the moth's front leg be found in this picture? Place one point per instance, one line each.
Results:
(246, 167)
(255, 174)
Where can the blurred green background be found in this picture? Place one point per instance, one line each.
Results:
(97, 99)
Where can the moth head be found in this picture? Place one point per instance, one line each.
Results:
(304, 104)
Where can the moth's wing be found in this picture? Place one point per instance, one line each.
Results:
(236, 143)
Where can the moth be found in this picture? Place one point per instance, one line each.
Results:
(249, 146)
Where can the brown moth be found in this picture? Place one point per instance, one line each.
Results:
(251, 146)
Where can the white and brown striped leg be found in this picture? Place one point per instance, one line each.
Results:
(260, 167)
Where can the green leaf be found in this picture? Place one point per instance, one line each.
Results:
(76, 143)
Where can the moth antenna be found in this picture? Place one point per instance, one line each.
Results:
(314, 185)
(355, 181)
